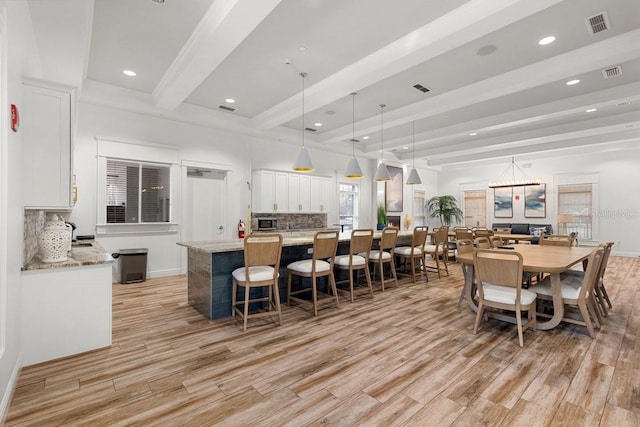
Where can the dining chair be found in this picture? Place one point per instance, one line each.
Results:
(555, 240)
(482, 243)
(325, 245)
(356, 260)
(463, 234)
(464, 246)
(385, 255)
(415, 253)
(438, 250)
(483, 232)
(262, 254)
(577, 292)
(496, 240)
(499, 286)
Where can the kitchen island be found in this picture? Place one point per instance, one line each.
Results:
(210, 265)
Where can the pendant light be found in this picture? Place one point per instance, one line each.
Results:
(414, 178)
(382, 174)
(303, 161)
(353, 168)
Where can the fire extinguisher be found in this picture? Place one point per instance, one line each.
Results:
(240, 229)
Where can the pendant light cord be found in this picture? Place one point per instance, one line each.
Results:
(382, 131)
(303, 75)
(353, 124)
(414, 143)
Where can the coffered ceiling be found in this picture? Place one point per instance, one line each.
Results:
(493, 90)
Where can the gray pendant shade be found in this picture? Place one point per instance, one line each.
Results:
(414, 178)
(353, 168)
(303, 161)
(382, 174)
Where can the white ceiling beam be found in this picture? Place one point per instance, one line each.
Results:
(223, 28)
(470, 21)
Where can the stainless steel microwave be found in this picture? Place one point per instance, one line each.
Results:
(267, 224)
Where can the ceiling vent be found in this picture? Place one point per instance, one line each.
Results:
(310, 129)
(597, 23)
(422, 88)
(354, 140)
(612, 72)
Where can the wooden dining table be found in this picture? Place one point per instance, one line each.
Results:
(536, 259)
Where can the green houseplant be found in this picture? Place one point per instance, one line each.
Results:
(444, 208)
(382, 217)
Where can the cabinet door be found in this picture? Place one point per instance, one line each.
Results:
(47, 147)
(281, 191)
(316, 194)
(329, 196)
(305, 194)
(294, 192)
(263, 191)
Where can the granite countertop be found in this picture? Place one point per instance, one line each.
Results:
(82, 253)
(238, 244)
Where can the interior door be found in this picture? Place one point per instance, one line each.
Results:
(204, 201)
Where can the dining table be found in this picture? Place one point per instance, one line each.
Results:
(536, 259)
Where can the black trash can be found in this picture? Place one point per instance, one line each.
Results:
(133, 265)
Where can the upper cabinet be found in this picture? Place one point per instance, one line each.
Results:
(275, 191)
(46, 120)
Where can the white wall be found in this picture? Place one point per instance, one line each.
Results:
(617, 200)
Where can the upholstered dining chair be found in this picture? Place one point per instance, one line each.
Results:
(577, 292)
(357, 260)
(555, 240)
(438, 250)
(414, 254)
(482, 243)
(385, 255)
(464, 246)
(325, 245)
(262, 254)
(496, 240)
(599, 291)
(463, 234)
(499, 285)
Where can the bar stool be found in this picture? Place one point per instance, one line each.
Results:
(385, 255)
(438, 249)
(261, 264)
(325, 245)
(415, 251)
(357, 259)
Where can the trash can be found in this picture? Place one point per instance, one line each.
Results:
(133, 265)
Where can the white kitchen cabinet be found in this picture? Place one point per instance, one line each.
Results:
(328, 193)
(299, 193)
(64, 311)
(46, 120)
(270, 191)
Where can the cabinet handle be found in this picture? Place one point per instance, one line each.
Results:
(321, 208)
(299, 207)
(275, 206)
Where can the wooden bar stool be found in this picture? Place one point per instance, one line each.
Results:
(357, 259)
(261, 263)
(385, 255)
(325, 245)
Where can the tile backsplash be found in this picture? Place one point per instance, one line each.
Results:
(295, 221)
(33, 224)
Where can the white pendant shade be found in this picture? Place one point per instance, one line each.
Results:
(353, 169)
(303, 161)
(414, 178)
(382, 174)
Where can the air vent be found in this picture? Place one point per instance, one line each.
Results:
(612, 72)
(354, 140)
(597, 23)
(225, 108)
(310, 129)
(421, 88)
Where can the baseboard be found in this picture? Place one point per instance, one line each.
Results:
(164, 273)
(8, 392)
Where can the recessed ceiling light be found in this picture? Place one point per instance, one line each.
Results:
(230, 100)
(591, 110)
(573, 82)
(546, 40)
(158, 1)
(473, 133)
(129, 73)
(302, 48)
(317, 124)
(405, 148)
(365, 137)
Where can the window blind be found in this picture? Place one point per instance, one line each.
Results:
(475, 208)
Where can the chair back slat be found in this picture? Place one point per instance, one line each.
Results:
(483, 243)
(389, 238)
(464, 234)
(361, 240)
(262, 249)
(325, 244)
(419, 236)
(498, 267)
(464, 246)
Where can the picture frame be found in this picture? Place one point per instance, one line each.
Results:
(393, 190)
(503, 202)
(535, 203)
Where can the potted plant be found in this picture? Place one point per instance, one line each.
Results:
(445, 208)
(382, 217)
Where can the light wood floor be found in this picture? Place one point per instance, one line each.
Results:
(406, 358)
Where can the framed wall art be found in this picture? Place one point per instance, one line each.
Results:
(503, 202)
(535, 204)
(393, 190)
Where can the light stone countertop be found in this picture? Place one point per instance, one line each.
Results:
(82, 253)
(238, 244)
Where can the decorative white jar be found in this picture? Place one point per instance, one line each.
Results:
(55, 240)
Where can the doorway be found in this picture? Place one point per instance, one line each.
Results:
(204, 205)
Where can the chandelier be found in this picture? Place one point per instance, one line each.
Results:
(523, 178)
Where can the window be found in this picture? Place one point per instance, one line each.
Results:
(576, 201)
(418, 208)
(137, 192)
(349, 202)
(475, 208)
